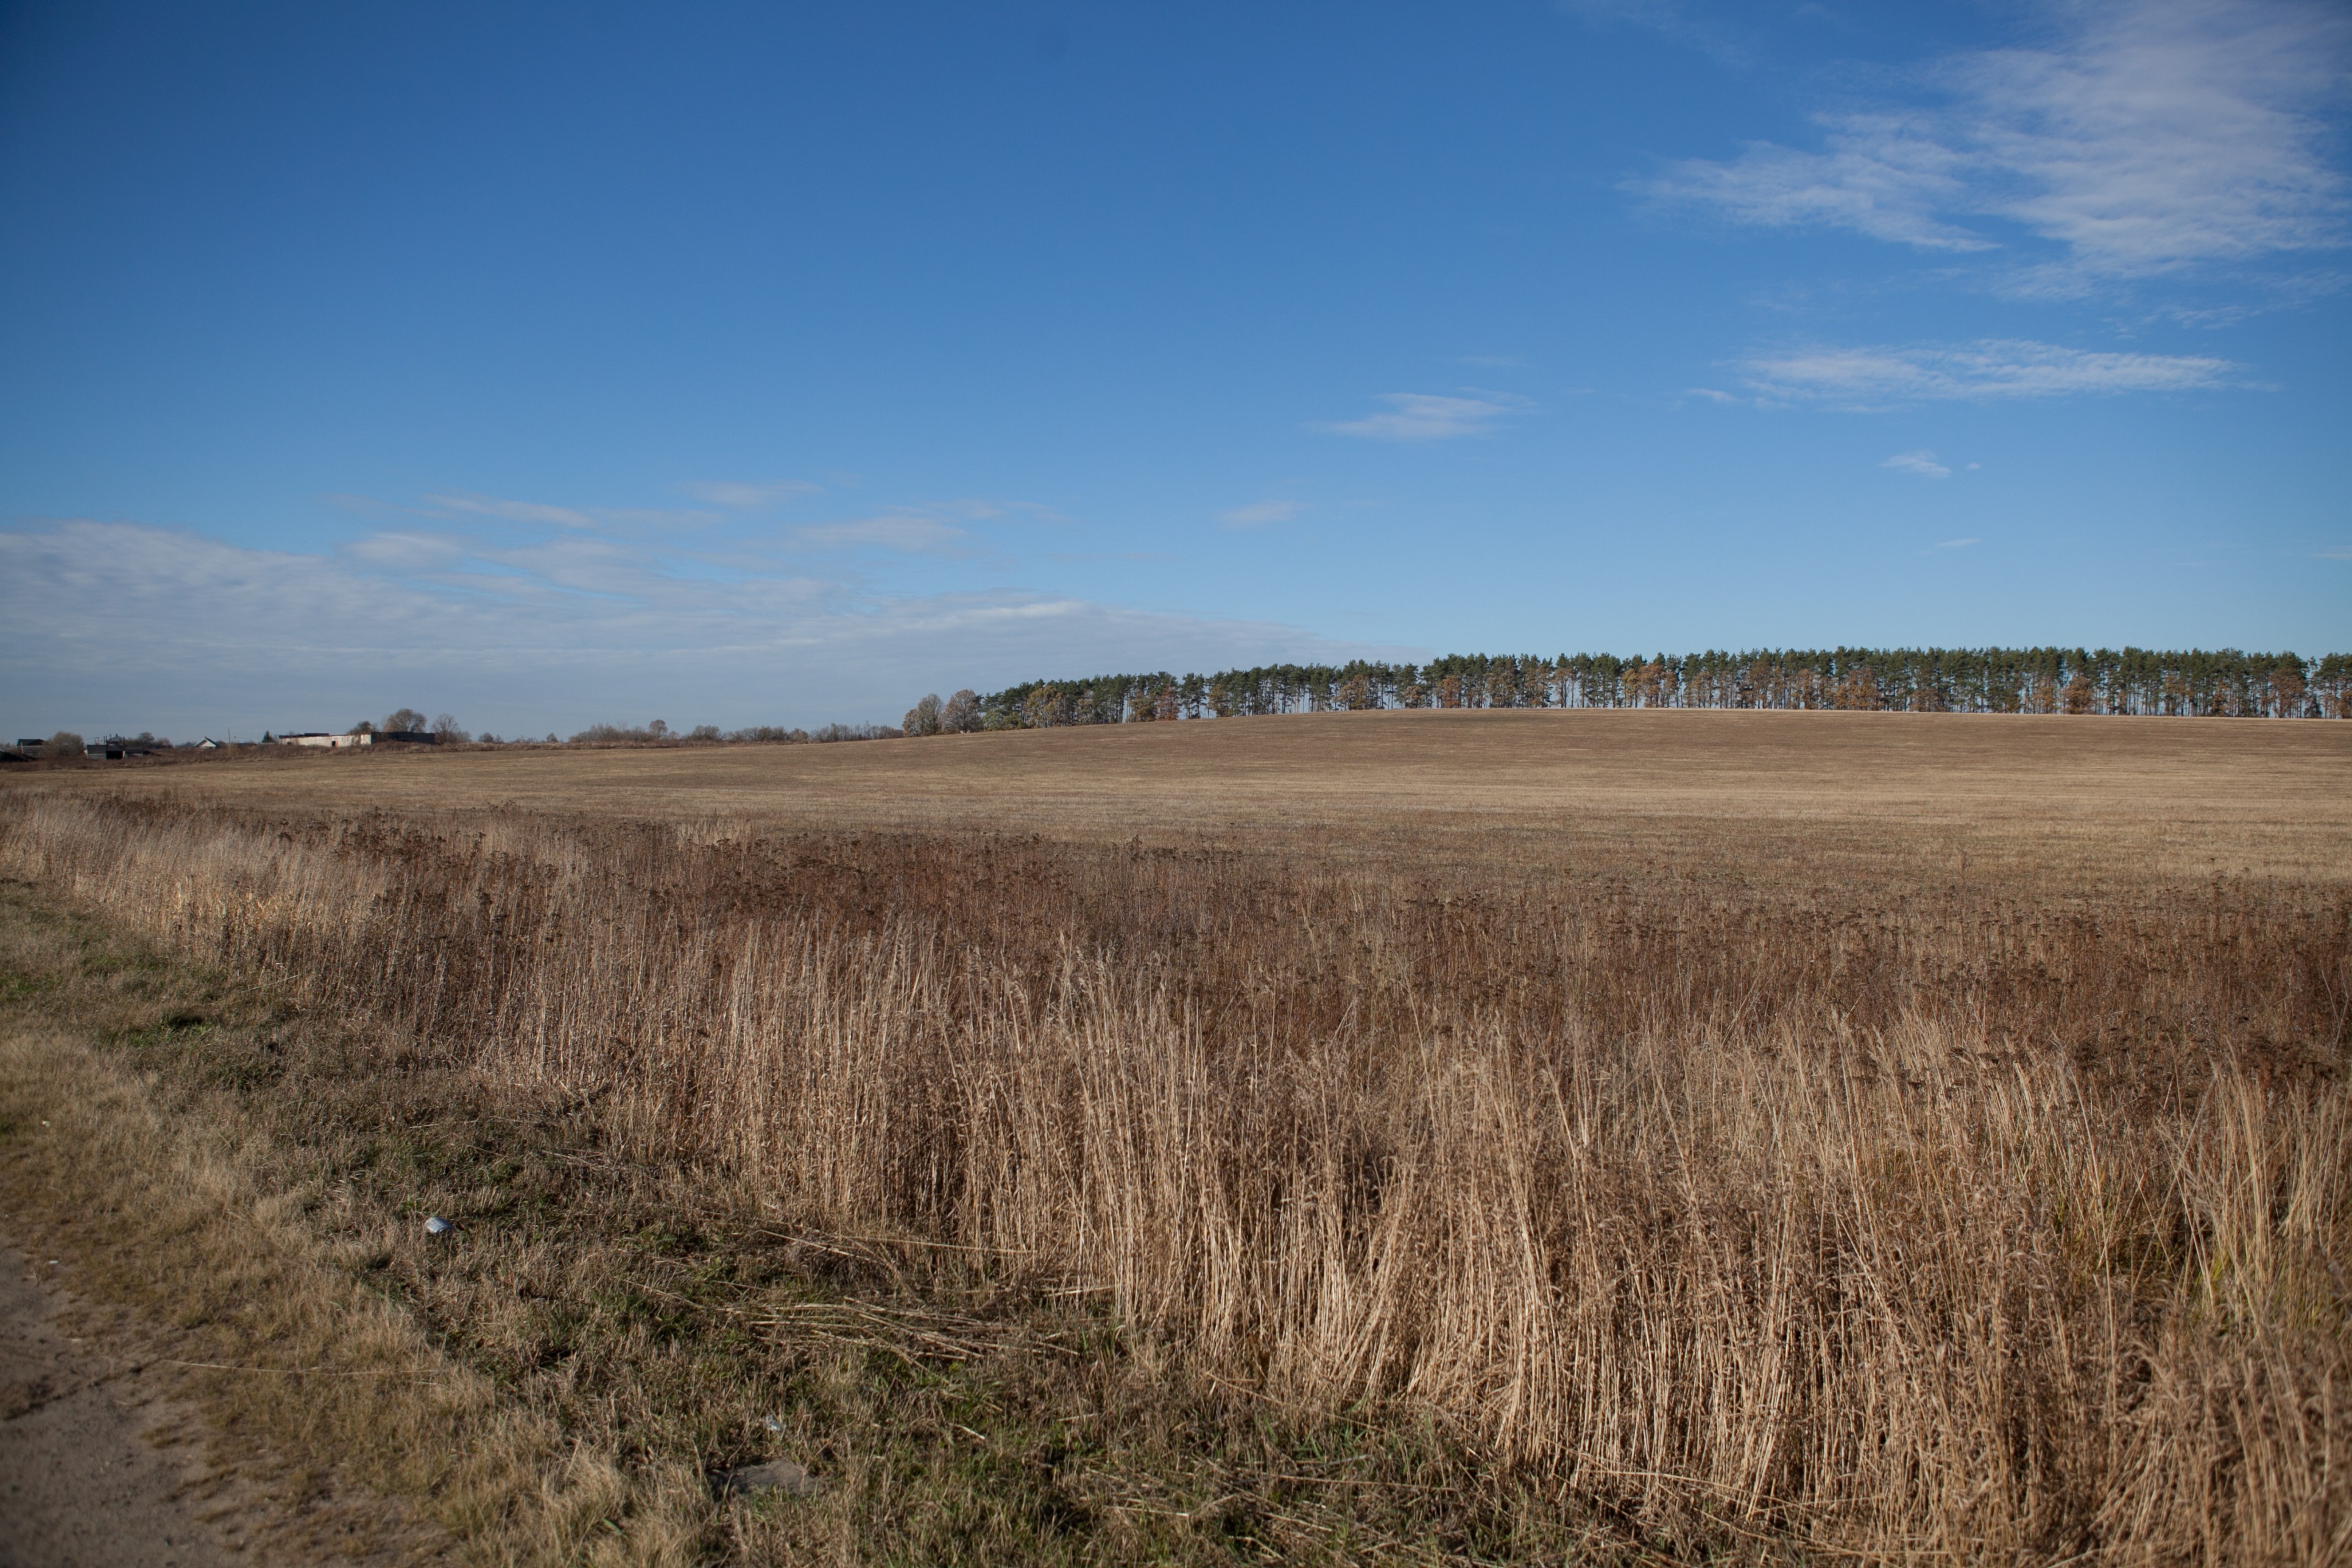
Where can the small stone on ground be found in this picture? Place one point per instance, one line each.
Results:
(775, 1476)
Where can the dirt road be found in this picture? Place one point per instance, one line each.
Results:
(80, 1484)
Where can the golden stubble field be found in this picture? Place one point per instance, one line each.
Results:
(2108, 798)
(1903, 1135)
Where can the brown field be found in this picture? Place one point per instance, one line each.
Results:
(1451, 1135)
(2155, 794)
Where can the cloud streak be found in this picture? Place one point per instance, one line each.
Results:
(510, 511)
(1987, 370)
(560, 632)
(1414, 417)
(1922, 463)
(1260, 514)
(749, 498)
(2152, 137)
(903, 533)
(1669, 18)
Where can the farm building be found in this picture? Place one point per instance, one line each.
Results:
(357, 738)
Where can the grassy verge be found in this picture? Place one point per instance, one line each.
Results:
(239, 1190)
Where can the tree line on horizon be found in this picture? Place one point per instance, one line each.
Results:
(2196, 683)
(2222, 683)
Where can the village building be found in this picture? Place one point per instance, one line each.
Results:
(327, 742)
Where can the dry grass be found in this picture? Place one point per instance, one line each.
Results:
(236, 1189)
(1866, 1133)
(245, 1273)
(2113, 797)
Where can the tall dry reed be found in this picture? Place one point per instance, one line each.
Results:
(1960, 1223)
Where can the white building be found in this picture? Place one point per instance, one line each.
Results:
(361, 738)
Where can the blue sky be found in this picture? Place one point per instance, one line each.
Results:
(779, 363)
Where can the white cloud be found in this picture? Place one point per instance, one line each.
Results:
(1676, 21)
(368, 505)
(1958, 544)
(1425, 417)
(449, 505)
(1260, 514)
(655, 517)
(1987, 369)
(1875, 180)
(749, 498)
(407, 552)
(513, 510)
(909, 533)
(1922, 463)
(2151, 137)
(200, 636)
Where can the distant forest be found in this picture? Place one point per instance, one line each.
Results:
(1928, 680)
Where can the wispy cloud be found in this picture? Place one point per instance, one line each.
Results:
(654, 517)
(1988, 369)
(1877, 178)
(586, 536)
(1426, 417)
(2149, 137)
(1260, 514)
(407, 552)
(511, 511)
(904, 532)
(449, 505)
(749, 498)
(1922, 463)
(576, 630)
(1957, 543)
(1677, 21)
(368, 506)
(528, 513)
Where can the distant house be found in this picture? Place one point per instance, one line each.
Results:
(209, 744)
(114, 749)
(35, 741)
(326, 742)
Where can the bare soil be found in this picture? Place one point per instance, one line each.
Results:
(84, 1480)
